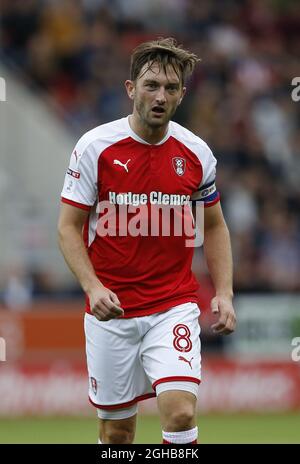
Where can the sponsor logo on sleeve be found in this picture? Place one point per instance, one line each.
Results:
(73, 173)
(208, 191)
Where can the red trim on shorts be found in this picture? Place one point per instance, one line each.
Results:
(176, 379)
(123, 405)
(74, 203)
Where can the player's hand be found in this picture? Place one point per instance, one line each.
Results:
(104, 304)
(222, 306)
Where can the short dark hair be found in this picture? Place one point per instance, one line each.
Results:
(164, 52)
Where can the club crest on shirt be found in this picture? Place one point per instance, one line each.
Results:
(94, 385)
(179, 165)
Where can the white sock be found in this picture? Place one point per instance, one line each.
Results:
(188, 436)
(99, 442)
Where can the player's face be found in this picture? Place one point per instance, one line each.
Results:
(156, 95)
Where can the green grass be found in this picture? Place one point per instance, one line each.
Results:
(246, 428)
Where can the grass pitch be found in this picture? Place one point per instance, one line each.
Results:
(213, 428)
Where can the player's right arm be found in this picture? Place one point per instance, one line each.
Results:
(104, 304)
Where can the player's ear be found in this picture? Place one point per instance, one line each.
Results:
(130, 88)
(182, 95)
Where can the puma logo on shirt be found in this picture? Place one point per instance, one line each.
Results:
(121, 164)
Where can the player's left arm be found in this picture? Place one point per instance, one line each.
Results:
(217, 250)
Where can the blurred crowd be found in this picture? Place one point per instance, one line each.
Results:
(76, 53)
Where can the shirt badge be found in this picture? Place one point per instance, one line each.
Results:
(179, 165)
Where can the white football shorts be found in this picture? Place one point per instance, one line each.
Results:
(133, 359)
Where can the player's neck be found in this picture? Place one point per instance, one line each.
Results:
(150, 135)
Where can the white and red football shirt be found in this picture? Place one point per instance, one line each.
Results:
(149, 273)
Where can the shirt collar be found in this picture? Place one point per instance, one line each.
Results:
(139, 139)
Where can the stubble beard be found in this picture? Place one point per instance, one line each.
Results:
(149, 121)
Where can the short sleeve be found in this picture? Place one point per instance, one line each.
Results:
(80, 185)
(207, 190)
